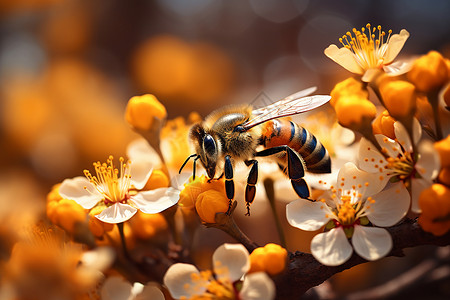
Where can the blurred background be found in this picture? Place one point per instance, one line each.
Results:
(68, 68)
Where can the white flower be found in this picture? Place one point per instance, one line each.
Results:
(116, 189)
(347, 209)
(415, 171)
(369, 50)
(116, 288)
(230, 263)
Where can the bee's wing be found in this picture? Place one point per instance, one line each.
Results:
(291, 105)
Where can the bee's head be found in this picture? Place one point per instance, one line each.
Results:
(206, 147)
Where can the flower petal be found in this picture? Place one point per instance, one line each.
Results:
(150, 292)
(350, 178)
(139, 149)
(396, 43)
(392, 148)
(140, 172)
(371, 243)
(428, 164)
(115, 288)
(331, 248)
(398, 67)
(417, 186)
(179, 281)
(157, 200)
(402, 136)
(344, 57)
(117, 213)
(390, 205)
(370, 159)
(307, 215)
(235, 258)
(74, 189)
(257, 286)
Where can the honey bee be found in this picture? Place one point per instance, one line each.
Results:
(233, 133)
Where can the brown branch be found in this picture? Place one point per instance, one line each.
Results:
(304, 272)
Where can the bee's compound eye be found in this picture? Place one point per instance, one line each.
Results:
(209, 145)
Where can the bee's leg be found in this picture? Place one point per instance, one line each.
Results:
(295, 168)
(252, 179)
(229, 183)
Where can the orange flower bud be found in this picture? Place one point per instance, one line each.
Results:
(354, 112)
(348, 87)
(429, 72)
(384, 124)
(435, 205)
(141, 110)
(444, 176)
(158, 179)
(447, 96)
(64, 212)
(209, 203)
(97, 227)
(443, 147)
(147, 226)
(399, 98)
(191, 191)
(271, 259)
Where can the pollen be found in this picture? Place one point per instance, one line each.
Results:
(367, 44)
(111, 182)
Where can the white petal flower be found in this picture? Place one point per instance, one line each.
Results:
(115, 189)
(414, 169)
(366, 53)
(231, 263)
(331, 248)
(371, 243)
(346, 211)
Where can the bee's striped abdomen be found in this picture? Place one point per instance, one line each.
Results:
(283, 132)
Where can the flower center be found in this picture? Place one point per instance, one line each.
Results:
(368, 46)
(346, 211)
(215, 289)
(113, 183)
(402, 165)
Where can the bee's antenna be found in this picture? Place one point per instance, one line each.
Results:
(185, 162)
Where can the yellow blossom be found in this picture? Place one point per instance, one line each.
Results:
(429, 72)
(141, 110)
(271, 259)
(97, 227)
(443, 147)
(399, 98)
(446, 95)
(435, 205)
(209, 203)
(384, 124)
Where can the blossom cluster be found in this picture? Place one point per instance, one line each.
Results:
(127, 227)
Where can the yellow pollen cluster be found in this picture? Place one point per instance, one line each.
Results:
(215, 289)
(367, 45)
(113, 183)
(403, 165)
(346, 211)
